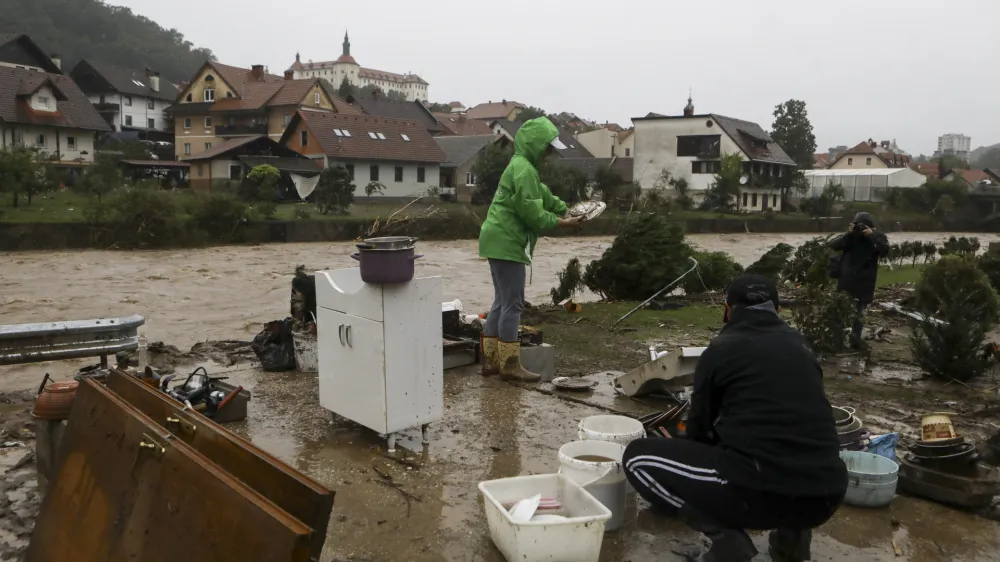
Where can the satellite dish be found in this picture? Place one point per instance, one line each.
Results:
(744, 180)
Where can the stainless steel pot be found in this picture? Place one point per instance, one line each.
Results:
(390, 243)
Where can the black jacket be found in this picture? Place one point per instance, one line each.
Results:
(758, 395)
(859, 261)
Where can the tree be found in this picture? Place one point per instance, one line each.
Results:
(794, 133)
(19, 171)
(334, 191)
(102, 177)
(609, 183)
(488, 168)
(262, 187)
(345, 89)
(725, 190)
(531, 112)
(823, 204)
(439, 108)
(951, 162)
(989, 159)
(565, 182)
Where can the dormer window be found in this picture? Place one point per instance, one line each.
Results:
(209, 94)
(43, 101)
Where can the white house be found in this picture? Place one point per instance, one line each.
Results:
(128, 99)
(690, 147)
(335, 71)
(608, 141)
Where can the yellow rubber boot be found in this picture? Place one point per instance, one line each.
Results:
(491, 359)
(510, 364)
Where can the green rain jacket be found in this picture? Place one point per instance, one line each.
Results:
(523, 207)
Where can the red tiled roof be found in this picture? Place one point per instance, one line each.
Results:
(360, 146)
(929, 169)
(73, 109)
(973, 177)
(347, 59)
(238, 78)
(493, 110)
(625, 134)
(222, 147)
(865, 148)
(456, 124)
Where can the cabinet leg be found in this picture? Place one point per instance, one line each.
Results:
(392, 442)
(423, 433)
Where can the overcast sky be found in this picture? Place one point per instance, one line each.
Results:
(909, 70)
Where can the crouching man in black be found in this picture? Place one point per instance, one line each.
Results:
(762, 451)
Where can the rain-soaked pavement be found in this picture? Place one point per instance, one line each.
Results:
(493, 430)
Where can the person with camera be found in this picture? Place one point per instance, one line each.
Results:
(860, 249)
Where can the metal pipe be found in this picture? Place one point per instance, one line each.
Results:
(658, 293)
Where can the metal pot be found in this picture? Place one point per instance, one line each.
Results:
(381, 267)
(389, 243)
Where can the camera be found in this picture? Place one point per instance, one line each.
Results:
(859, 228)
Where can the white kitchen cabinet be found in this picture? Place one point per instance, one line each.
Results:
(380, 356)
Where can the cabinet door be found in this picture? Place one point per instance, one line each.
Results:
(352, 368)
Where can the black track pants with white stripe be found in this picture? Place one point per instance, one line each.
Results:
(670, 472)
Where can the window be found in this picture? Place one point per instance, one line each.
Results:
(235, 172)
(150, 104)
(304, 138)
(187, 122)
(470, 178)
(208, 122)
(421, 174)
(151, 123)
(699, 145)
(128, 120)
(40, 141)
(188, 98)
(380, 136)
(71, 143)
(208, 145)
(399, 173)
(372, 135)
(774, 201)
(209, 94)
(406, 138)
(628, 152)
(868, 161)
(346, 133)
(705, 167)
(316, 97)
(338, 132)
(187, 148)
(43, 101)
(850, 161)
(286, 119)
(373, 173)
(753, 200)
(350, 171)
(201, 171)
(744, 199)
(127, 100)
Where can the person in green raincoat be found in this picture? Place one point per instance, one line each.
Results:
(522, 208)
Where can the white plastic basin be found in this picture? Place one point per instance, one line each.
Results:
(871, 479)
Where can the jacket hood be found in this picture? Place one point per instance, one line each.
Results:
(865, 219)
(533, 139)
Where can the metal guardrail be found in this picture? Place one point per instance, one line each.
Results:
(50, 341)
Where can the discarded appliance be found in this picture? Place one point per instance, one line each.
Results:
(380, 351)
(669, 372)
(151, 474)
(51, 341)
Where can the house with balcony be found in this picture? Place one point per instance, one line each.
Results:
(401, 156)
(48, 112)
(128, 99)
(690, 147)
(222, 102)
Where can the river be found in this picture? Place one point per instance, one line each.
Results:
(226, 292)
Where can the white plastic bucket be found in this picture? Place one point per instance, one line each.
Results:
(871, 479)
(616, 429)
(306, 355)
(604, 479)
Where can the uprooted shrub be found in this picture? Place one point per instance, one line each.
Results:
(824, 315)
(955, 348)
(649, 253)
(570, 281)
(808, 265)
(773, 262)
(952, 280)
(714, 273)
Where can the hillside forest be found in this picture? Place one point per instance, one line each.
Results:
(77, 29)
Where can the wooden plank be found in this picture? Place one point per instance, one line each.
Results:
(125, 490)
(300, 496)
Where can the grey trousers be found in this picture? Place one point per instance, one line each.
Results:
(504, 317)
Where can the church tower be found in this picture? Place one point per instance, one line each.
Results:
(347, 45)
(689, 108)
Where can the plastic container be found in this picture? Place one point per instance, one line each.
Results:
(616, 429)
(306, 353)
(937, 427)
(577, 538)
(605, 479)
(871, 479)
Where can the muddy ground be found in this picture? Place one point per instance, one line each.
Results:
(492, 429)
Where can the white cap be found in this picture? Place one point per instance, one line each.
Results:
(557, 144)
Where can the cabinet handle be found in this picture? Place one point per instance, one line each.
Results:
(349, 336)
(340, 332)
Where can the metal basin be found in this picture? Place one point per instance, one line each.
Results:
(389, 243)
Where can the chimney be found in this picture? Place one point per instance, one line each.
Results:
(56, 60)
(289, 75)
(257, 71)
(505, 103)
(154, 80)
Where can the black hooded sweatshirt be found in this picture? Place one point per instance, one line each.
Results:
(759, 397)
(859, 264)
